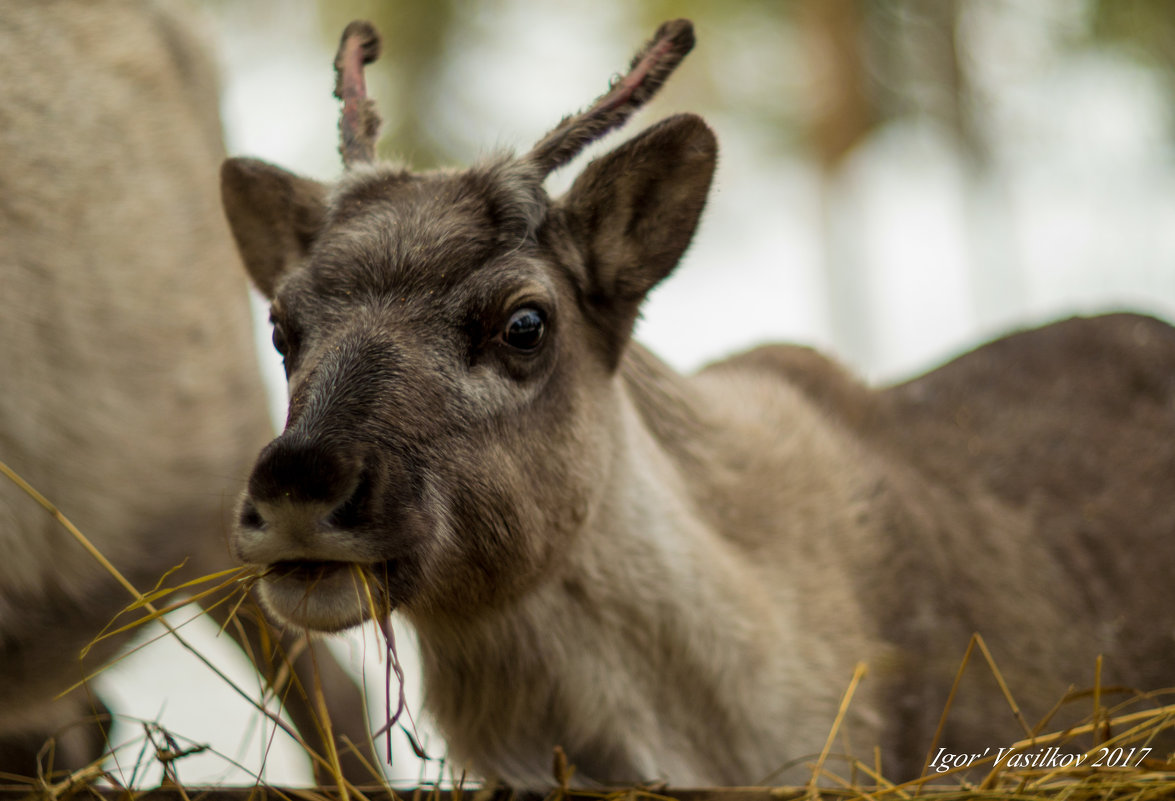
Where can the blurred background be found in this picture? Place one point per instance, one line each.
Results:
(899, 180)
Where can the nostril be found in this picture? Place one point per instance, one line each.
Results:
(250, 517)
(351, 513)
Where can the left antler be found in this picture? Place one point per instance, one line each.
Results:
(359, 123)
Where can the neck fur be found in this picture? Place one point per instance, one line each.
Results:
(647, 654)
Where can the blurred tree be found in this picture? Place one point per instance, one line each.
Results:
(1147, 25)
(843, 112)
(912, 51)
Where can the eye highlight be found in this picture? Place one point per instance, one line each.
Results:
(525, 329)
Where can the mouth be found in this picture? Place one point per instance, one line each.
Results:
(309, 570)
(324, 595)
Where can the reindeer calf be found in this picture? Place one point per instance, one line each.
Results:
(673, 577)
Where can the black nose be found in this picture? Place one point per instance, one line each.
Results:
(297, 469)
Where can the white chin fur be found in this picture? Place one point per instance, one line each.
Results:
(330, 603)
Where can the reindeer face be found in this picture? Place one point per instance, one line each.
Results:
(450, 341)
(430, 403)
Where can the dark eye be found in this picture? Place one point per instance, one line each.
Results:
(280, 344)
(525, 329)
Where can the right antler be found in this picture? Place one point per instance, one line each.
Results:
(650, 68)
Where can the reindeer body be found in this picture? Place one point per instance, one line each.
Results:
(779, 522)
(129, 395)
(673, 577)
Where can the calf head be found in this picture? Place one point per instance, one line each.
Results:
(451, 340)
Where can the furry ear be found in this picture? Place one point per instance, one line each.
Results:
(634, 212)
(275, 217)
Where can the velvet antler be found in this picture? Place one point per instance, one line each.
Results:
(650, 68)
(359, 122)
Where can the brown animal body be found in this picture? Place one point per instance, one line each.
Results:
(672, 577)
(128, 393)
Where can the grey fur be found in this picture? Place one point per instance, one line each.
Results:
(129, 394)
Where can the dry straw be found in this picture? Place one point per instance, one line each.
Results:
(1106, 731)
